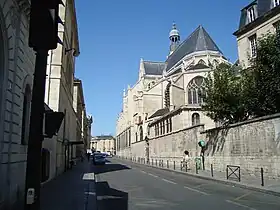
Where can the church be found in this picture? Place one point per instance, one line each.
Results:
(167, 95)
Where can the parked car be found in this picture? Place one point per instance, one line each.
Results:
(99, 159)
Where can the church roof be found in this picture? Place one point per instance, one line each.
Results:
(153, 67)
(199, 40)
(159, 112)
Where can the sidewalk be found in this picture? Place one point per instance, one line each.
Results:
(72, 190)
(249, 182)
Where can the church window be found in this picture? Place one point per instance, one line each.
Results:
(196, 88)
(141, 133)
(195, 119)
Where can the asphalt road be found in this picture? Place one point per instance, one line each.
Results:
(124, 185)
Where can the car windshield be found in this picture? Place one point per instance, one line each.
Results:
(99, 156)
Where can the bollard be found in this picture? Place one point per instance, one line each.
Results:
(156, 162)
(181, 166)
(174, 167)
(196, 168)
(212, 173)
(167, 164)
(262, 180)
(186, 166)
(152, 162)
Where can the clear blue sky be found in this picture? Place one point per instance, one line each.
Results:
(114, 35)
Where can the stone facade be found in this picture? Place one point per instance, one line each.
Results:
(265, 18)
(166, 95)
(60, 87)
(252, 145)
(103, 144)
(16, 75)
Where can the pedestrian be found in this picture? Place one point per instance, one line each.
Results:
(88, 156)
(185, 159)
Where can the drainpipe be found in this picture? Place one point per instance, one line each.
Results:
(49, 72)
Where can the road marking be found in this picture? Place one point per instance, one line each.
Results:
(238, 204)
(144, 172)
(198, 191)
(166, 180)
(243, 196)
(200, 185)
(90, 193)
(153, 175)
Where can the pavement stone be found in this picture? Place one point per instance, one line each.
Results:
(249, 182)
(72, 190)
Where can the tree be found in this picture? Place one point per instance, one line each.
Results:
(263, 78)
(223, 99)
(253, 92)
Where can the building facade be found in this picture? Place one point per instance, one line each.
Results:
(167, 96)
(79, 107)
(257, 19)
(60, 87)
(16, 76)
(103, 143)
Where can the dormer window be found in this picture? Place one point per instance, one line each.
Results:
(251, 14)
(276, 3)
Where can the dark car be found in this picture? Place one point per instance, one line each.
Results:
(99, 159)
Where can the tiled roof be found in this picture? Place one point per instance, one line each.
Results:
(159, 113)
(154, 68)
(199, 40)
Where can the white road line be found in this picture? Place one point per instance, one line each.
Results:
(153, 175)
(238, 204)
(144, 172)
(198, 191)
(166, 180)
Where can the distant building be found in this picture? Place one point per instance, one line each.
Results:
(103, 143)
(257, 19)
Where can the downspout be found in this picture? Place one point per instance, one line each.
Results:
(49, 72)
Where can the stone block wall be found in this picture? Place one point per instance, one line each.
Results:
(252, 145)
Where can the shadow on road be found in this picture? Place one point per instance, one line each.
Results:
(109, 198)
(99, 169)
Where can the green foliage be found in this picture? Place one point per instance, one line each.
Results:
(264, 98)
(234, 95)
(223, 101)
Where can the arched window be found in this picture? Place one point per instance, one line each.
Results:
(195, 119)
(196, 88)
(201, 62)
(26, 115)
(141, 133)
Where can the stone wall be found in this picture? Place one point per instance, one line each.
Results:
(251, 145)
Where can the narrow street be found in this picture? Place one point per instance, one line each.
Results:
(125, 185)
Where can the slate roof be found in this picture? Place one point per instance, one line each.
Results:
(159, 113)
(198, 66)
(103, 137)
(263, 6)
(199, 40)
(153, 67)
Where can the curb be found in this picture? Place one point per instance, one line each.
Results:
(227, 182)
